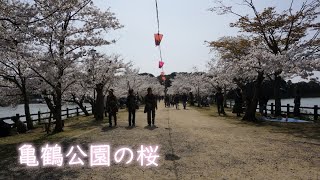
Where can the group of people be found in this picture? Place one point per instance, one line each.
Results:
(174, 100)
(238, 100)
(150, 108)
(132, 105)
(263, 103)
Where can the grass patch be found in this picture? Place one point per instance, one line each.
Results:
(304, 130)
(73, 127)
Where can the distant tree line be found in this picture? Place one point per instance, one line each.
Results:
(288, 89)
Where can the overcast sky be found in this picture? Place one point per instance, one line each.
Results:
(185, 24)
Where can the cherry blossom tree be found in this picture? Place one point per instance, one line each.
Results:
(103, 72)
(17, 76)
(9, 93)
(247, 62)
(219, 77)
(17, 19)
(61, 39)
(244, 60)
(129, 80)
(191, 82)
(80, 92)
(281, 32)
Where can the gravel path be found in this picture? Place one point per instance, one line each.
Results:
(197, 145)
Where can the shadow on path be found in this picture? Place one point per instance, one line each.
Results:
(107, 128)
(151, 128)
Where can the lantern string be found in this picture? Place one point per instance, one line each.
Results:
(158, 21)
(160, 52)
(157, 16)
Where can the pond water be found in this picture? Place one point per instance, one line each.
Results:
(34, 108)
(305, 102)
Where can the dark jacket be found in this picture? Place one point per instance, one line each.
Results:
(219, 98)
(176, 99)
(237, 108)
(238, 98)
(151, 102)
(112, 104)
(131, 102)
(184, 98)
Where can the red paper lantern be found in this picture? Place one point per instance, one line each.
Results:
(161, 63)
(158, 38)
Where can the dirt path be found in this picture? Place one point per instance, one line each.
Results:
(195, 145)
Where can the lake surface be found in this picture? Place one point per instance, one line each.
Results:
(305, 102)
(34, 108)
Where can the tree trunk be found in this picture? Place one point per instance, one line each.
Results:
(93, 106)
(277, 81)
(244, 96)
(199, 98)
(80, 103)
(99, 103)
(27, 113)
(225, 97)
(27, 108)
(57, 115)
(250, 114)
(26, 103)
(192, 100)
(84, 110)
(57, 110)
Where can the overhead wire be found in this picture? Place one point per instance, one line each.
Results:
(158, 23)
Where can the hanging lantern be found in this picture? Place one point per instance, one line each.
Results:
(158, 38)
(161, 63)
(162, 73)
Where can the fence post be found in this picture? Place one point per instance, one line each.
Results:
(18, 116)
(77, 111)
(272, 111)
(67, 112)
(316, 113)
(288, 110)
(85, 107)
(39, 116)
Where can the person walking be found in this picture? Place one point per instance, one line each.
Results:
(132, 106)
(238, 102)
(112, 107)
(184, 99)
(191, 99)
(176, 100)
(150, 107)
(167, 101)
(172, 100)
(219, 101)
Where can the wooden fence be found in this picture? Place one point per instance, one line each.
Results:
(288, 107)
(39, 116)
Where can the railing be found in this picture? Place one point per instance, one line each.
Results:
(315, 108)
(39, 116)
